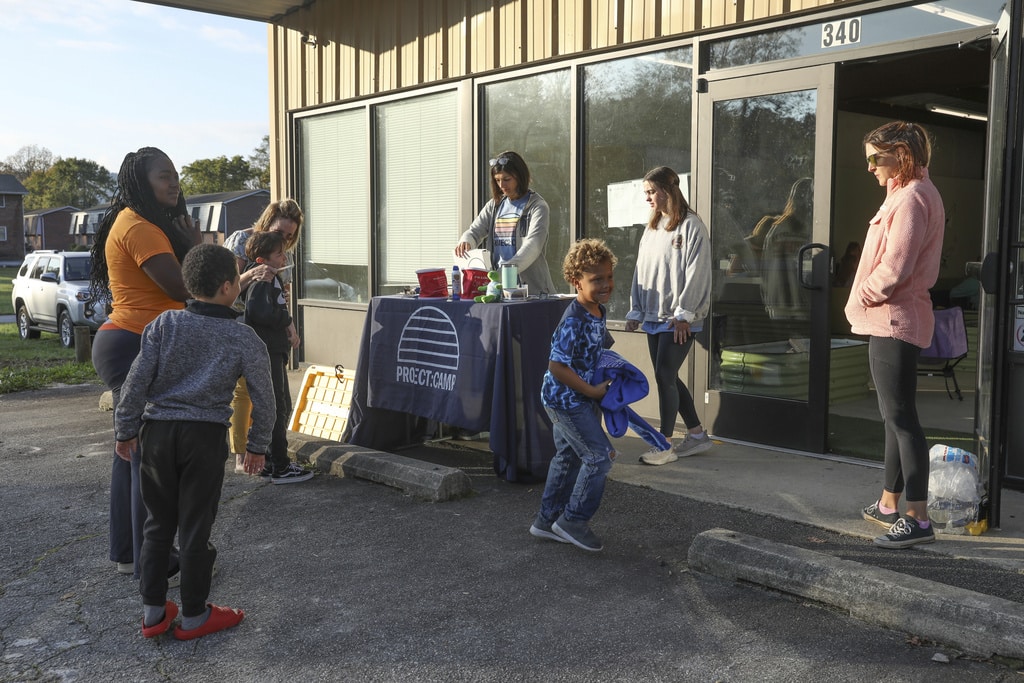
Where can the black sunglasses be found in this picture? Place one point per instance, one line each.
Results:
(501, 161)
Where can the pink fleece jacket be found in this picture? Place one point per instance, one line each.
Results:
(899, 264)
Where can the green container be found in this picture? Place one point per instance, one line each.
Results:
(780, 369)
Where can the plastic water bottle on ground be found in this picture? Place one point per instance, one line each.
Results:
(954, 490)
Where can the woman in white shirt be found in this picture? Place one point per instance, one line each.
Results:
(670, 297)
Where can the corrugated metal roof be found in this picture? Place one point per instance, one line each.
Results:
(269, 11)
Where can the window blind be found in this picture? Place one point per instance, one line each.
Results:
(417, 173)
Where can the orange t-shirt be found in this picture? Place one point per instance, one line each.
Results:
(137, 300)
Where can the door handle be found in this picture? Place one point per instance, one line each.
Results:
(986, 271)
(801, 258)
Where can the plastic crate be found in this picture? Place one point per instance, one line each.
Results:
(323, 404)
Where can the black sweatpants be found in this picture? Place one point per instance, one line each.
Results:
(181, 476)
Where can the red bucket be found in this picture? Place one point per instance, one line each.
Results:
(472, 280)
(433, 283)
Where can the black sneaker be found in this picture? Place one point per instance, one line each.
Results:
(293, 474)
(266, 472)
(905, 533)
(577, 533)
(541, 528)
(873, 514)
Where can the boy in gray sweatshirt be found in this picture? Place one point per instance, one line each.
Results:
(176, 406)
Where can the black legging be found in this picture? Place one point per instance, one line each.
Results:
(894, 371)
(673, 396)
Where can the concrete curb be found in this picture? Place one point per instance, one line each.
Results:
(425, 480)
(972, 622)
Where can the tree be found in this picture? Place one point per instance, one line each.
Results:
(260, 164)
(69, 182)
(205, 176)
(26, 161)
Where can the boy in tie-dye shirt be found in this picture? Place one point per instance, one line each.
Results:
(583, 453)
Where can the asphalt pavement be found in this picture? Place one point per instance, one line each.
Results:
(344, 578)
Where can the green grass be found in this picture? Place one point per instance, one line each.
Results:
(38, 363)
(6, 275)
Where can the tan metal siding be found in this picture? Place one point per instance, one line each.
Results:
(481, 36)
(572, 26)
(368, 48)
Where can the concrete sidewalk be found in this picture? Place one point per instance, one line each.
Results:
(820, 491)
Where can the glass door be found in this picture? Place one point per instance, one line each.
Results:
(765, 155)
(989, 391)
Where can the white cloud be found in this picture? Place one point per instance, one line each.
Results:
(105, 77)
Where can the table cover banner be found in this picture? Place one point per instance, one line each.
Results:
(436, 361)
(470, 365)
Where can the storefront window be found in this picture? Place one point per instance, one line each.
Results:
(531, 116)
(637, 114)
(334, 197)
(417, 187)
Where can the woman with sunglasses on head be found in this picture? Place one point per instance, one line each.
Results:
(514, 222)
(889, 302)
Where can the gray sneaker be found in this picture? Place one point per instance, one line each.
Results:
(691, 445)
(905, 533)
(872, 514)
(577, 533)
(656, 456)
(541, 528)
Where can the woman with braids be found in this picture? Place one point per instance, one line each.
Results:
(136, 263)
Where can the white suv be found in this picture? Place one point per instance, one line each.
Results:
(51, 294)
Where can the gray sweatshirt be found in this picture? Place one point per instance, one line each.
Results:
(673, 273)
(187, 369)
(531, 237)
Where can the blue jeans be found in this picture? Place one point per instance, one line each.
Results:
(582, 459)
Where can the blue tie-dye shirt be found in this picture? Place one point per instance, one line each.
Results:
(577, 342)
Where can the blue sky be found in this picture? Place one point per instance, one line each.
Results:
(96, 79)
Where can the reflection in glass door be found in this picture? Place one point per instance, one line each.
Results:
(767, 163)
(762, 311)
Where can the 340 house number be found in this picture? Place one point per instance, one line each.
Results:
(839, 33)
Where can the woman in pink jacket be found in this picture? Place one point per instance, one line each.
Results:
(889, 302)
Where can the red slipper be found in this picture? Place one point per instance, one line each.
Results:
(220, 618)
(170, 611)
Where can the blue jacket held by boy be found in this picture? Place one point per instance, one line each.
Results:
(629, 385)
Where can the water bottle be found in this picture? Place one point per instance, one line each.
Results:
(954, 490)
(509, 275)
(456, 283)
